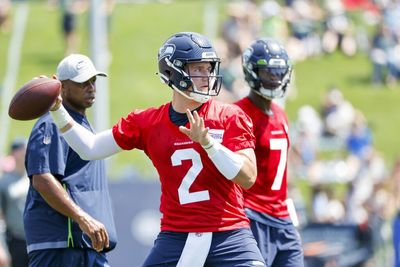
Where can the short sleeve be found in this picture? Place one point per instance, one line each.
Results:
(239, 130)
(46, 151)
(127, 132)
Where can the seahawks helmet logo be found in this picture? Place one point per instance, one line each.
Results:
(166, 51)
(247, 54)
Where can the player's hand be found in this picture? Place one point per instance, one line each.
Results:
(58, 102)
(96, 231)
(197, 132)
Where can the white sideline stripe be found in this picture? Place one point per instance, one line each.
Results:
(196, 250)
(12, 65)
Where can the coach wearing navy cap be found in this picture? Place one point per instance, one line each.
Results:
(68, 218)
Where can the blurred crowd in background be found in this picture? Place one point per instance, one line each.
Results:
(310, 28)
(332, 157)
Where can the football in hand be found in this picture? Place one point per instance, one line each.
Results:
(34, 98)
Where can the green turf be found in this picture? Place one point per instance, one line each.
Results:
(138, 30)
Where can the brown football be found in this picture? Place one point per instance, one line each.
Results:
(34, 99)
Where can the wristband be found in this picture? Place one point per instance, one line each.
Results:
(210, 147)
(61, 117)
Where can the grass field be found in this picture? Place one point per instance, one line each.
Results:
(137, 31)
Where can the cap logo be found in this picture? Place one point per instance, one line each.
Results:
(80, 64)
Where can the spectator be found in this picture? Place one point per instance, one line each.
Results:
(395, 179)
(339, 30)
(241, 26)
(326, 207)
(5, 9)
(273, 23)
(108, 7)
(231, 74)
(13, 190)
(368, 173)
(69, 11)
(303, 19)
(337, 114)
(306, 137)
(383, 41)
(359, 141)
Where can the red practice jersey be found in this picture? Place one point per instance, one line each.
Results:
(269, 193)
(195, 196)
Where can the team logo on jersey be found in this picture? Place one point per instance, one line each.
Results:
(217, 134)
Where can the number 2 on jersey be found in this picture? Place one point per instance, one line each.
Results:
(185, 196)
(282, 145)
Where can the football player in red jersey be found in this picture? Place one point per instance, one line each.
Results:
(267, 71)
(203, 152)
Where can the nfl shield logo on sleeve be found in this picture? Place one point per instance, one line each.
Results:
(46, 139)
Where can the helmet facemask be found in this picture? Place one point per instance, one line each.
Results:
(187, 86)
(273, 82)
(213, 83)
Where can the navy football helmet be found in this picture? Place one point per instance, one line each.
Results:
(266, 68)
(174, 55)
